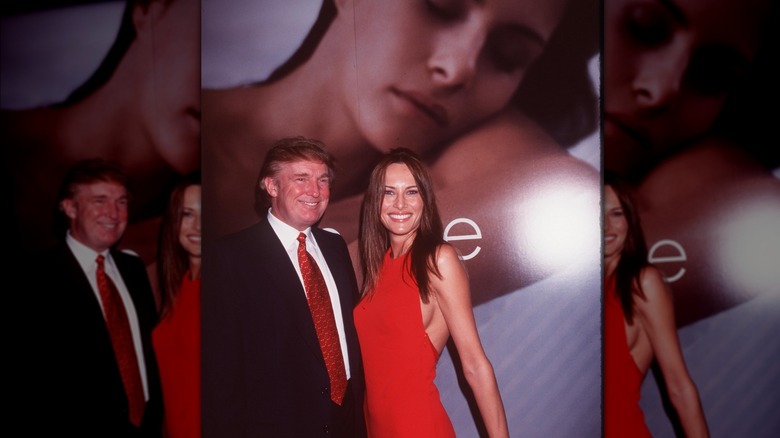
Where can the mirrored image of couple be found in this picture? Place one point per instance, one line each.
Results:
(101, 149)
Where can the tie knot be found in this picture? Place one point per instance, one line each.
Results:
(302, 238)
(100, 260)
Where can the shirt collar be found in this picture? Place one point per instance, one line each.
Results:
(287, 234)
(84, 255)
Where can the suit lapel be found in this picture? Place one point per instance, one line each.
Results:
(84, 297)
(282, 274)
(85, 316)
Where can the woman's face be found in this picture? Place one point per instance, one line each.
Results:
(615, 225)
(402, 206)
(669, 66)
(429, 69)
(189, 228)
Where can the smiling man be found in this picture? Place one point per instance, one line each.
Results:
(94, 314)
(280, 352)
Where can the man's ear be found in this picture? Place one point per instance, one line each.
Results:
(271, 186)
(145, 16)
(68, 206)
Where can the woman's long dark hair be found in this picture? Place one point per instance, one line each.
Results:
(557, 91)
(633, 258)
(172, 260)
(420, 261)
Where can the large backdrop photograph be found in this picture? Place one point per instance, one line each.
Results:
(552, 132)
(500, 100)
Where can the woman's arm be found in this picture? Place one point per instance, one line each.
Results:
(454, 300)
(656, 312)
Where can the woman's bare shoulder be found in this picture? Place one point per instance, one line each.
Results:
(655, 292)
(447, 254)
(509, 144)
(451, 281)
(449, 265)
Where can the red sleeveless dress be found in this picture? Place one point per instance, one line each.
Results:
(176, 341)
(399, 360)
(622, 380)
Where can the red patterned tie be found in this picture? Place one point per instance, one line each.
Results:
(122, 340)
(324, 322)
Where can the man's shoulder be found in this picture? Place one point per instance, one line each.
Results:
(126, 255)
(54, 256)
(327, 236)
(253, 240)
(55, 272)
(128, 262)
(331, 244)
(245, 236)
(132, 269)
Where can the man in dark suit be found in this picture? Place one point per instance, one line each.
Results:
(95, 312)
(269, 369)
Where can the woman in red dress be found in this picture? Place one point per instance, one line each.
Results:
(415, 295)
(639, 326)
(176, 338)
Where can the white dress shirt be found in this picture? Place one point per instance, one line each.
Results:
(289, 238)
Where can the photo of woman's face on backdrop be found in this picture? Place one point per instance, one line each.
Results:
(669, 68)
(427, 70)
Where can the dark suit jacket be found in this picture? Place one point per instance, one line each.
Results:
(81, 390)
(263, 371)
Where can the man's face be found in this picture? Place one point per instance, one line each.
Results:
(98, 214)
(299, 193)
